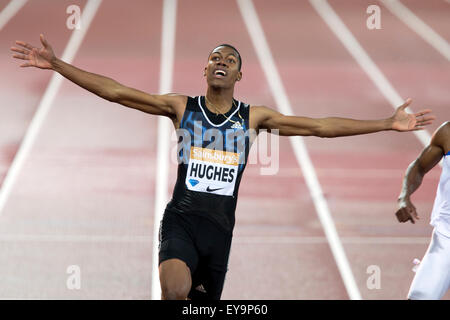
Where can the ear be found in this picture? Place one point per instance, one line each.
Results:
(239, 76)
(204, 72)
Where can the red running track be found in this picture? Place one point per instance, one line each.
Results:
(86, 193)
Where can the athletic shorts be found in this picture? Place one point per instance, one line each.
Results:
(202, 245)
(432, 279)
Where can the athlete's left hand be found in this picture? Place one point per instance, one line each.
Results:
(403, 121)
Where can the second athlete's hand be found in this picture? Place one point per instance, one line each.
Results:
(35, 57)
(406, 211)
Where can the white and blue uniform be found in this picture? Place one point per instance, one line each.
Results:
(440, 217)
(432, 278)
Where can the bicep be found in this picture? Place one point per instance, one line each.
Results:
(433, 153)
(165, 105)
(274, 121)
(429, 157)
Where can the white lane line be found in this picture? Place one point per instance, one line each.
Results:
(262, 49)
(419, 26)
(10, 11)
(164, 125)
(263, 240)
(45, 103)
(362, 58)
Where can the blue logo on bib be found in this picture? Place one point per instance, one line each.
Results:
(193, 182)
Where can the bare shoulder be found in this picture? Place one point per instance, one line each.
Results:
(262, 110)
(176, 99)
(259, 114)
(445, 126)
(177, 102)
(441, 137)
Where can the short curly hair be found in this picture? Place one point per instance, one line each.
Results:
(229, 46)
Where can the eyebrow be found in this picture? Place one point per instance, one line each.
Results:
(230, 54)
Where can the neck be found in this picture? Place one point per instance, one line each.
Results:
(222, 99)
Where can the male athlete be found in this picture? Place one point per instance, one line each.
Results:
(196, 229)
(432, 278)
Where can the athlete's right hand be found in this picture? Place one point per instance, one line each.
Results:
(407, 211)
(35, 57)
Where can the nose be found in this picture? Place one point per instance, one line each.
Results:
(222, 63)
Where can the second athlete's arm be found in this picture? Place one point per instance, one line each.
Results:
(429, 157)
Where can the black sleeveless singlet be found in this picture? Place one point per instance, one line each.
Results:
(212, 154)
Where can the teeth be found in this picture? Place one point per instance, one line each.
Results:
(221, 72)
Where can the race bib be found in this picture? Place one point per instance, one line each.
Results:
(212, 171)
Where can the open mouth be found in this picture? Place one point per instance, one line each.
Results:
(220, 73)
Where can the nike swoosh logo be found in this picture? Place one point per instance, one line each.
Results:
(212, 190)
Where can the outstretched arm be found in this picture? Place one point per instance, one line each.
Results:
(107, 88)
(269, 119)
(412, 180)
